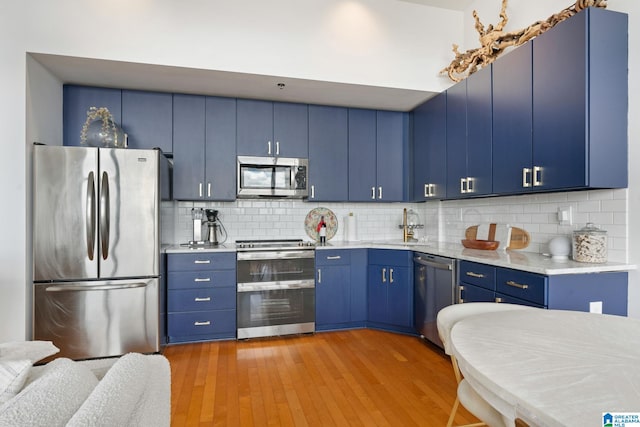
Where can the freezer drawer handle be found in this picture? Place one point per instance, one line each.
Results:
(517, 285)
(199, 299)
(65, 288)
(207, 323)
(90, 220)
(104, 215)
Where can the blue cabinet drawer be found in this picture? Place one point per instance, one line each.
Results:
(511, 300)
(201, 279)
(201, 323)
(478, 274)
(394, 257)
(201, 261)
(521, 284)
(333, 257)
(201, 299)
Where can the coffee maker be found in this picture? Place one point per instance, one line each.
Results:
(212, 226)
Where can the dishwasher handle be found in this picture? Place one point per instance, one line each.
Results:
(434, 264)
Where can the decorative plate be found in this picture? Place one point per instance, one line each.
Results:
(313, 219)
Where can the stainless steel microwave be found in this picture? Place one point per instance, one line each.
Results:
(272, 177)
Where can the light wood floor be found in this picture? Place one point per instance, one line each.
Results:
(348, 378)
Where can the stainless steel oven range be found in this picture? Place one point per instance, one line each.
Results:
(276, 287)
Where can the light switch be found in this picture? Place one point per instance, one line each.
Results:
(564, 215)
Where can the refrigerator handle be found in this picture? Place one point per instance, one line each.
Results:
(90, 220)
(104, 215)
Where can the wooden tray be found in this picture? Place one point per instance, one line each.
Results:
(487, 245)
(519, 238)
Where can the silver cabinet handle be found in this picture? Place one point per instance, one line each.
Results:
(334, 257)
(380, 192)
(319, 276)
(470, 185)
(90, 212)
(208, 189)
(277, 148)
(202, 279)
(105, 215)
(202, 261)
(498, 299)
(537, 176)
(426, 190)
(391, 275)
(526, 172)
(384, 275)
(463, 185)
(460, 289)
(517, 285)
(200, 189)
(269, 147)
(373, 193)
(207, 323)
(432, 190)
(472, 274)
(197, 299)
(313, 191)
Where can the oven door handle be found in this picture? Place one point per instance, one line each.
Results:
(263, 255)
(272, 286)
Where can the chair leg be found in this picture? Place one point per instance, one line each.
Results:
(454, 409)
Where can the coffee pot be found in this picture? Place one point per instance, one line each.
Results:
(212, 226)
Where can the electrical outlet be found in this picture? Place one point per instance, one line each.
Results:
(565, 215)
(595, 307)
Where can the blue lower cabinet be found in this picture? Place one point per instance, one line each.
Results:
(341, 294)
(390, 290)
(485, 283)
(201, 296)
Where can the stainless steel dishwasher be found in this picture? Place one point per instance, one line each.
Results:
(434, 289)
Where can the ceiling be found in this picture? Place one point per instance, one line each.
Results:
(130, 75)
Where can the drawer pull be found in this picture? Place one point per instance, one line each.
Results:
(202, 261)
(498, 299)
(202, 279)
(472, 274)
(207, 323)
(198, 299)
(517, 285)
(334, 257)
(391, 275)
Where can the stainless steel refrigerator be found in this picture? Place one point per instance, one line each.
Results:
(96, 249)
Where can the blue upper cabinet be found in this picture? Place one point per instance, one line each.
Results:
(469, 134)
(147, 119)
(362, 155)
(378, 156)
(328, 154)
(204, 155)
(267, 128)
(580, 94)
(430, 149)
(512, 121)
(76, 102)
(188, 147)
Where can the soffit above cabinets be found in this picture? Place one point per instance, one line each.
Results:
(130, 75)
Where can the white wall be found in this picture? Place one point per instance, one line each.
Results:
(389, 44)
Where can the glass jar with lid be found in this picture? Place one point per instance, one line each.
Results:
(590, 244)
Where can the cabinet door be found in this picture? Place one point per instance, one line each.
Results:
(456, 138)
(512, 121)
(291, 129)
(255, 128)
(362, 155)
(220, 137)
(377, 293)
(76, 102)
(399, 296)
(430, 149)
(479, 133)
(147, 119)
(391, 158)
(328, 154)
(332, 295)
(470, 293)
(188, 147)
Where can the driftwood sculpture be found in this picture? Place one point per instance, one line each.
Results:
(494, 41)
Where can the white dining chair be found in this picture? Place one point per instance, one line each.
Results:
(470, 399)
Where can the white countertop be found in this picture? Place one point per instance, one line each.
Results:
(517, 260)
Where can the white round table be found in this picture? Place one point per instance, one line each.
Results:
(552, 367)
